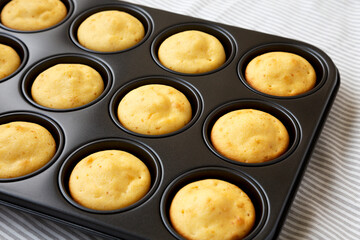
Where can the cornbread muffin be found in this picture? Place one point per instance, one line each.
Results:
(9, 59)
(249, 136)
(154, 109)
(110, 31)
(192, 52)
(66, 86)
(26, 15)
(212, 209)
(280, 74)
(109, 180)
(24, 148)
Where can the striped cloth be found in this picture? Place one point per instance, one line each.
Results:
(327, 205)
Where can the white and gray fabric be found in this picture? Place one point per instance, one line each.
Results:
(327, 204)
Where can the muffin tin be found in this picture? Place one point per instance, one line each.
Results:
(173, 159)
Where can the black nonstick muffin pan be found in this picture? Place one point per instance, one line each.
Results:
(173, 159)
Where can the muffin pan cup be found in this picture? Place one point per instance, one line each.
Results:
(190, 93)
(179, 157)
(20, 49)
(69, 7)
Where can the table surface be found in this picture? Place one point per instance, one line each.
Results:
(327, 204)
